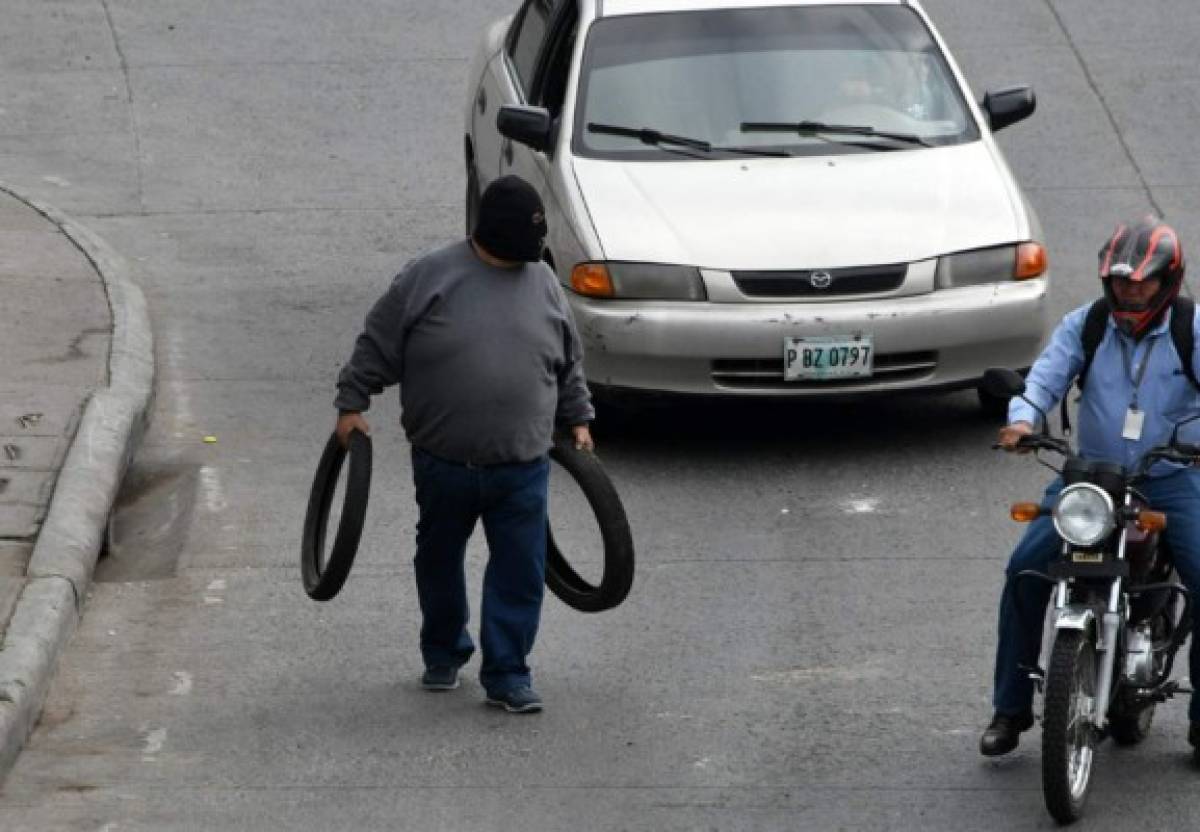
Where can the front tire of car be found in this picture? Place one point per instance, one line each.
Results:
(472, 198)
(992, 406)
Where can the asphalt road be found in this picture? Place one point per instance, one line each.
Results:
(809, 641)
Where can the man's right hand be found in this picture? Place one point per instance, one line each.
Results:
(1010, 435)
(350, 421)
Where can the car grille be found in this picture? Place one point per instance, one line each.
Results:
(767, 373)
(841, 282)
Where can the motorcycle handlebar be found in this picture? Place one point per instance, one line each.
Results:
(1038, 442)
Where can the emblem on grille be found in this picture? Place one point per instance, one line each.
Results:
(820, 280)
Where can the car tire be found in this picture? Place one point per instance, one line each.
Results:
(323, 577)
(993, 406)
(561, 577)
(472, 198)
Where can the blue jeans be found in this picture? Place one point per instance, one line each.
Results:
(1021, 623)
(511, 500)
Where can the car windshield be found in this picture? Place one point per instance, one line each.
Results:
(809, 80)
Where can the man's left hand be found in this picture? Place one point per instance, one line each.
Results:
(583, 438)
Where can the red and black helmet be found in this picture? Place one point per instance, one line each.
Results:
(1138, 251)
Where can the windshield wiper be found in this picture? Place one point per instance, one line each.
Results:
(812, 128)
(648, 135)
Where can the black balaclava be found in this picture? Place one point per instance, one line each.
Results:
(512, 220)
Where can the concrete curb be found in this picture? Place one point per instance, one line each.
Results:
(64, 556)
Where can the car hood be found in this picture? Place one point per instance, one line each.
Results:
(802, 212)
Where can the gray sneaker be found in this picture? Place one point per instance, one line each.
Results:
(522, 700)
(440, 678)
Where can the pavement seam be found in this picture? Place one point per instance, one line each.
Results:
(64, 556)
(133, 121)
(1112, 119)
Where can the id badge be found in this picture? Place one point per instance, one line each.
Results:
(1134, 420)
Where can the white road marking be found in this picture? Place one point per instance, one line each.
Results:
(212, 490)
(218, 585)
(797, 675)
(183, 683)
(859, 506)
(155, 740)
(57, 180)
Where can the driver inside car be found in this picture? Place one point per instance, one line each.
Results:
(1134, 392)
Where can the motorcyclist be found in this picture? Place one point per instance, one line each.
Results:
(1137, 389)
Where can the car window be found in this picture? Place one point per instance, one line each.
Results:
(553, 84)
(526, 42)
(706, 74)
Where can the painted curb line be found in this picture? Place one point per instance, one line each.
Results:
(64, 556)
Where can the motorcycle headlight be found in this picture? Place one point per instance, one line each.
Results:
(1084, 515)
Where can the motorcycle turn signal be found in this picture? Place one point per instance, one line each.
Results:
(1151, 521)
(1025, 512)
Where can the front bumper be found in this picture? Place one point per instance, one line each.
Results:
(944, 338)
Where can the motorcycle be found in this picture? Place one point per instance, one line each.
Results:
(1120, 612)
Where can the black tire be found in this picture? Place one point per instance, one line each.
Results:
(1130, 729)
(1066, 739)
(323, 578)
(561, 578)
(994, 406)
(472, 198)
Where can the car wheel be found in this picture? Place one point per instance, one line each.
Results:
(472, 198)
(995, 406)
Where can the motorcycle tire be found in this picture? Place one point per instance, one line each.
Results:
(561, 578)
(323, 577)
(1068, 743)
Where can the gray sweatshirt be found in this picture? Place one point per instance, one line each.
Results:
(487, 359)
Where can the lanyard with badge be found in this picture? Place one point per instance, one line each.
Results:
(1135, 418)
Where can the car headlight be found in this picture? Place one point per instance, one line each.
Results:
(991, 265)
(1084, 514)
(640, 281)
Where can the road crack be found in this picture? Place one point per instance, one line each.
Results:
(133, 120)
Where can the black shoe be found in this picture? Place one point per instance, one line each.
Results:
(1003, 735)
(522, 700)
(440, 678)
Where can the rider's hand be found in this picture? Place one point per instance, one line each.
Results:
(348, 421)
(583, 438)
(1010, 435)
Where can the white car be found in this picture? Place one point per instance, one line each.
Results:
(763, 198)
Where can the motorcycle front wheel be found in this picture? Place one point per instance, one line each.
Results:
(1068, 735)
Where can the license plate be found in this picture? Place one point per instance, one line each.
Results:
(827, 358)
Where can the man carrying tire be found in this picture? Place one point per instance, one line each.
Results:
(480, 339)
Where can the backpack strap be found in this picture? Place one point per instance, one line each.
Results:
(1183, 314)
(1095, 327)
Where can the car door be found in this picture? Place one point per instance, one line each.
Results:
(508, 79)
(548, 90)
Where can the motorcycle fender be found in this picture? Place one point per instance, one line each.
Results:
(1082, 619)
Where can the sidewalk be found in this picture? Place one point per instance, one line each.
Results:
(75, 383)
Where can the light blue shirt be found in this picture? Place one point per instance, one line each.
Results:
(1165, 395)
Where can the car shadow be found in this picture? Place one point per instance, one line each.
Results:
(717, 428)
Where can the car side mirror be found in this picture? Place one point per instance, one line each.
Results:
(1008, 106)
(1003, 383)
(531, 126)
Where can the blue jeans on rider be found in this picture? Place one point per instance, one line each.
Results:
(1178, 495)
(511, 501)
